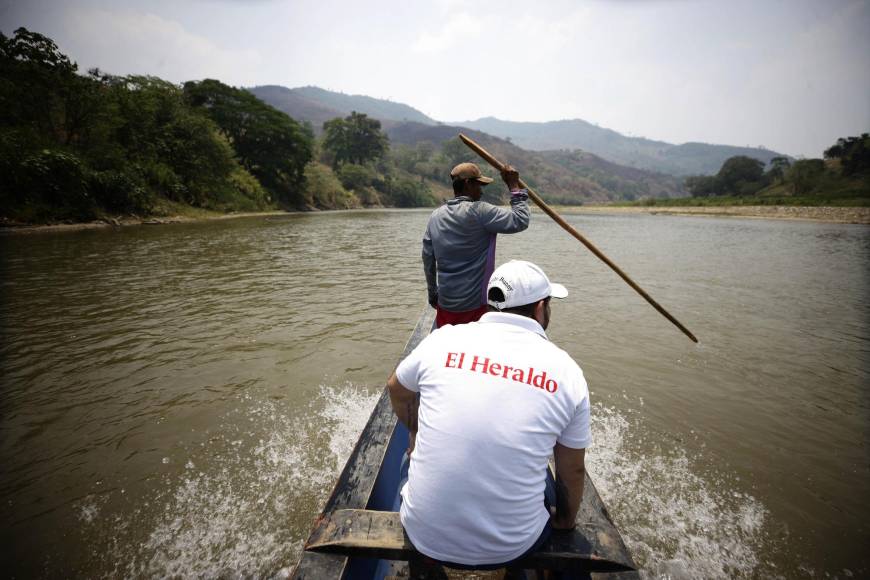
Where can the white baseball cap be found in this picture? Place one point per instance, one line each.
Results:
(522, 283)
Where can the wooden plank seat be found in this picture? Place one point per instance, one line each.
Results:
(379, 534)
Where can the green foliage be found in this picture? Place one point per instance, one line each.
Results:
(254, 196)
(269, 144)
(409, 192)
(77, 146)
(120, 192)
(805, 175)
(324, 190)
(455, 152)
(33, 76)
(778, 166)
(853, 153)
(56, 179)
(424, 160)
(740, 175)
(356, 177)
(701, 185)
(73, 147)
(806, 181)
(355, 139)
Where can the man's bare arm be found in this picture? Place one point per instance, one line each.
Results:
(570, 474)
(404, 403)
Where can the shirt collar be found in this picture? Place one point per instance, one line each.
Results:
(459, 199)
(523, 322)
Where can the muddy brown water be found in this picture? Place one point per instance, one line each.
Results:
(177, 400)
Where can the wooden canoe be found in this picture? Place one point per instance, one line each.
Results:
(358, 536)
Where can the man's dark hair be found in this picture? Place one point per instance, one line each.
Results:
(527, 310)
(459, 186)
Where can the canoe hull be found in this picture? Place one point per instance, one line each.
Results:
(370, 480)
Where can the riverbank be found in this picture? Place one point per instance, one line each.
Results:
(842, 215)
(202, 215)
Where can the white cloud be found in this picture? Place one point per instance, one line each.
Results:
(130, 42)
(460, 28)
(791, 77)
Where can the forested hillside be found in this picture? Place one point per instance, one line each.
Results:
(585, 178)
(318, 105)
(570, 178)
(79, 147)
(842, 178)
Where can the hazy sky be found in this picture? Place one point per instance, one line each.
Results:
(790, 75)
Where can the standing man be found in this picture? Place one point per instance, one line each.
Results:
(459, 243)
(496, 399)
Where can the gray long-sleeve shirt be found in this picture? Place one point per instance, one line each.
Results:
(459, 248)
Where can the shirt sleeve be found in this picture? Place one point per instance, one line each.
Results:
(501, 220)
(429, 266)
(408, 371)
(578, 434)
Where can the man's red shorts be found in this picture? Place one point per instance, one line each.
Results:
(443, 317)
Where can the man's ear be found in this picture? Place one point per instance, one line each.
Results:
(540, 311)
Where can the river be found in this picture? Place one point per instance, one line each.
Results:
(177, 400)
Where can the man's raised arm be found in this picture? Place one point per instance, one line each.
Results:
(507, 221)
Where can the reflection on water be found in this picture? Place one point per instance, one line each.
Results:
(178, 400)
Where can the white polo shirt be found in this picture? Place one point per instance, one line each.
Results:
(495, 397)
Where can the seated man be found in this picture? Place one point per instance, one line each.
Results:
(496, 399)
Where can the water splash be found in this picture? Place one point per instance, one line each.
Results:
(677, 524)
(89, 508)
(238, 520)
(248, 518)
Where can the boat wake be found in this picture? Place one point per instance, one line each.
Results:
(677, 524)
(243, 504)
(249, 511)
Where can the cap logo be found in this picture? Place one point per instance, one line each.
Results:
(506, 284)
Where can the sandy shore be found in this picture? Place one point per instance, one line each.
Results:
(842, 215)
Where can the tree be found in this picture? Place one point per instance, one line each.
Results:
(269, 144)
(355, 139)
(41, 91)
(853, 153)
(740, 175)
(701, 185)
(325, 190)
(778, 167)
(805, 174)
(455, 152)
(407, 192)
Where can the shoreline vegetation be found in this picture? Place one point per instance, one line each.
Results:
(98, 150)
(829, 214)
(826, 214)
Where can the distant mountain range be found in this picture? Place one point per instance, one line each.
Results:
(317, 105)
(568, 161)
(685, 159)
(562, 177)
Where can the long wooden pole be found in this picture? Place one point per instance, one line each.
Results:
(582, 239)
